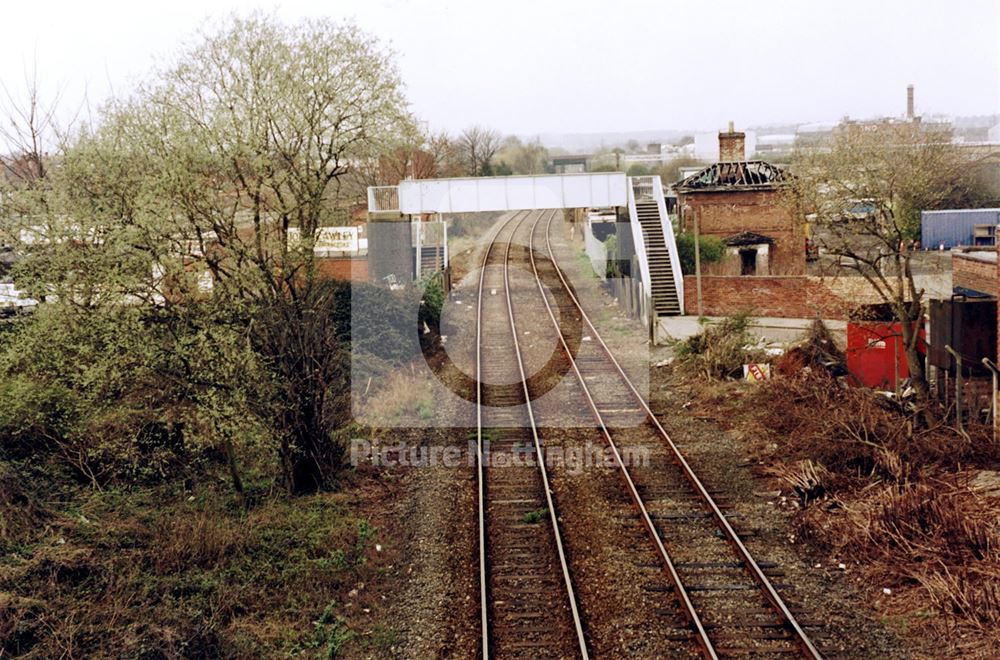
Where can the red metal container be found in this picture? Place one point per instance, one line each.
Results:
(872, 351)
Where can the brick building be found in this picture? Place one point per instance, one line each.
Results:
(739, 202)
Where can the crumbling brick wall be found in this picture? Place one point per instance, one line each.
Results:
(974, 273)
(725, 213)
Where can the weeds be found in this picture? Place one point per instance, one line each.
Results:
(534, 517)
(586, 266)
(209, 573)
(400, 398)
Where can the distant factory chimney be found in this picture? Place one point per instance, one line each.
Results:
(732, 145)
(909, 103)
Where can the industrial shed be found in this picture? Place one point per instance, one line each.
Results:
(959, 227)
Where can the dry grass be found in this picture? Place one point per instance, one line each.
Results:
(155, 574)
(402, 399)
(203, 539)
(874, 487)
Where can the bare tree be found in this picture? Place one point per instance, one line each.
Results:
(478, 145)
(446, 153)
(864, 190)
(28, 128)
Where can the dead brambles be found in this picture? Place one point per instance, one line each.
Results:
(876, 487)
(858, 434)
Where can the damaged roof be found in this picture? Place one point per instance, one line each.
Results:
(754, 174)
(747, 238)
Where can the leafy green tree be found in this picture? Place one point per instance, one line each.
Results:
(216, 174)
(670, 171)
(637, 169)
(517, 157)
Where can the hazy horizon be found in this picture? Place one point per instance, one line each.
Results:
(559, 68)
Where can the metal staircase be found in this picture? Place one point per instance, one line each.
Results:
(431, 259)
(655, 246)
(430, 246)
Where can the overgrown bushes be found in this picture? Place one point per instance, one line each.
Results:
(133, 396)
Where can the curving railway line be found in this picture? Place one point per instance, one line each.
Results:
(728, 602)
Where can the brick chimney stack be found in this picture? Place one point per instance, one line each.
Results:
(732, 145)
(909, 102)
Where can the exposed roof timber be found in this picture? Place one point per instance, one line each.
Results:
(739, 174)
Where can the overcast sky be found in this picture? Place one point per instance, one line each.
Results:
(579, 65)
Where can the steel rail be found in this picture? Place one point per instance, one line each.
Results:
(540, 457)
(564, 566)
(749, 562)
(687, 606)
(480, 467)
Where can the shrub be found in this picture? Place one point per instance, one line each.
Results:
(710, 248)
(433, 295)
(34, 416)
(719, 350)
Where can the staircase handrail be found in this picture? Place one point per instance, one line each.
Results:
(639, 241)
(670, 240)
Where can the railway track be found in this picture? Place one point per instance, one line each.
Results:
(727, 602)
(528, 606)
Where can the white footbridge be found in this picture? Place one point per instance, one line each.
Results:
(652, 232)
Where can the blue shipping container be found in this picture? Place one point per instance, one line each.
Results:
(954, 227)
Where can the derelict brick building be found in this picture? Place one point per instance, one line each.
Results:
(739, 202)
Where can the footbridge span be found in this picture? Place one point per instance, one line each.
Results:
(652, 231)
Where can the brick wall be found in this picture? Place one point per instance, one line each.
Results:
(344, 268)
(974, 273)
(783, 297)
(723, 214)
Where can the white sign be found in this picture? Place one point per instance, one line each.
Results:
(337, 239)
(331, 239)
